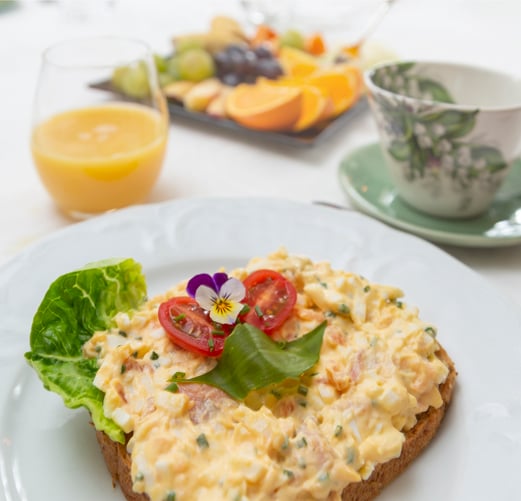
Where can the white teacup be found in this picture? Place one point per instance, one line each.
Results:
(449, 132)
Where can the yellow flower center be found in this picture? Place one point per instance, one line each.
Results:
(222, 306)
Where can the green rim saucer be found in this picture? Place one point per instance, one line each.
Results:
(366, 181)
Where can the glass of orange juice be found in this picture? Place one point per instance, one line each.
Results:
(97, 150)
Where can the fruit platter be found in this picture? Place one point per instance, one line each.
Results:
(285, 87)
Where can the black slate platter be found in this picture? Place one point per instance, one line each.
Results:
(304, 139)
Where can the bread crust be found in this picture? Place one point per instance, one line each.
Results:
(416, 440)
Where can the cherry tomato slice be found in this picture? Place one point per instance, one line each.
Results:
(271, 299)
(190, 327)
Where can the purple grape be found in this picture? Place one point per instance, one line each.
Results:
(235, 49)
(231, 79)
(251, 61)
(269, 68)
(223, 62)
(262, 52)
(237, 64)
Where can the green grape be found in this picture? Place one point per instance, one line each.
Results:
(172, 67)
(293, 38)
(165, 79)
(118, 76)
(160, 63)
(134, 81)
(189, 42)
(195, 65)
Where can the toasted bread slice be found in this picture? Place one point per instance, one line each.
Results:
(416, 440)
(119, 463)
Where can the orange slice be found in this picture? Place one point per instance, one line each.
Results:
(317, 105)
(297, 63)
(353, 72)
(342, 84)
(265, 107)
(314, 107)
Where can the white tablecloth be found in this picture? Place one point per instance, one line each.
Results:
(204, 162)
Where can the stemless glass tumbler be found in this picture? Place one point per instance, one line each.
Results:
(97, 150)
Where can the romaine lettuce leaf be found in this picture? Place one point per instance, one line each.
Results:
(75, 306)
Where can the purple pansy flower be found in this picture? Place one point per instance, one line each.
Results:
(218, 294)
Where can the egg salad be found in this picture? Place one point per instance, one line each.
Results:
(302, 439)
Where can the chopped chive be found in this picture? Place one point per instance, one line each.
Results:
(123, 369)
(173, 387)
(285, 444)
(217, 332)
(330, 314)
(202, 441)
(122, 333)
(431, 331)
(140, 476)
(98, 348)
(301, 442)
(399, 304)
(258, 311)
(324, 284)
(303, 403)
(338, 430)
(154, 356)
(178, 375)
(211, 344)
(350, 455)
(170, 496)
(276, 394)
(134, 355)
(344, 309)
(245, 309)
(367, 288)
(302, 463)
(303, 390)
(323, 477)
(179, 317)
(288, 473)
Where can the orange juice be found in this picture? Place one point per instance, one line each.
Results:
(99, 158)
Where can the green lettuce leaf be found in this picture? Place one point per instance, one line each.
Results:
(75, 306)
(252, 360)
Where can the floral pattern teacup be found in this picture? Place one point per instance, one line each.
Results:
(449, 132)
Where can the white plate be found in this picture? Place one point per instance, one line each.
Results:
(49, 453)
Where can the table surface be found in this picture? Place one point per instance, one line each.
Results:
(204, 162)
